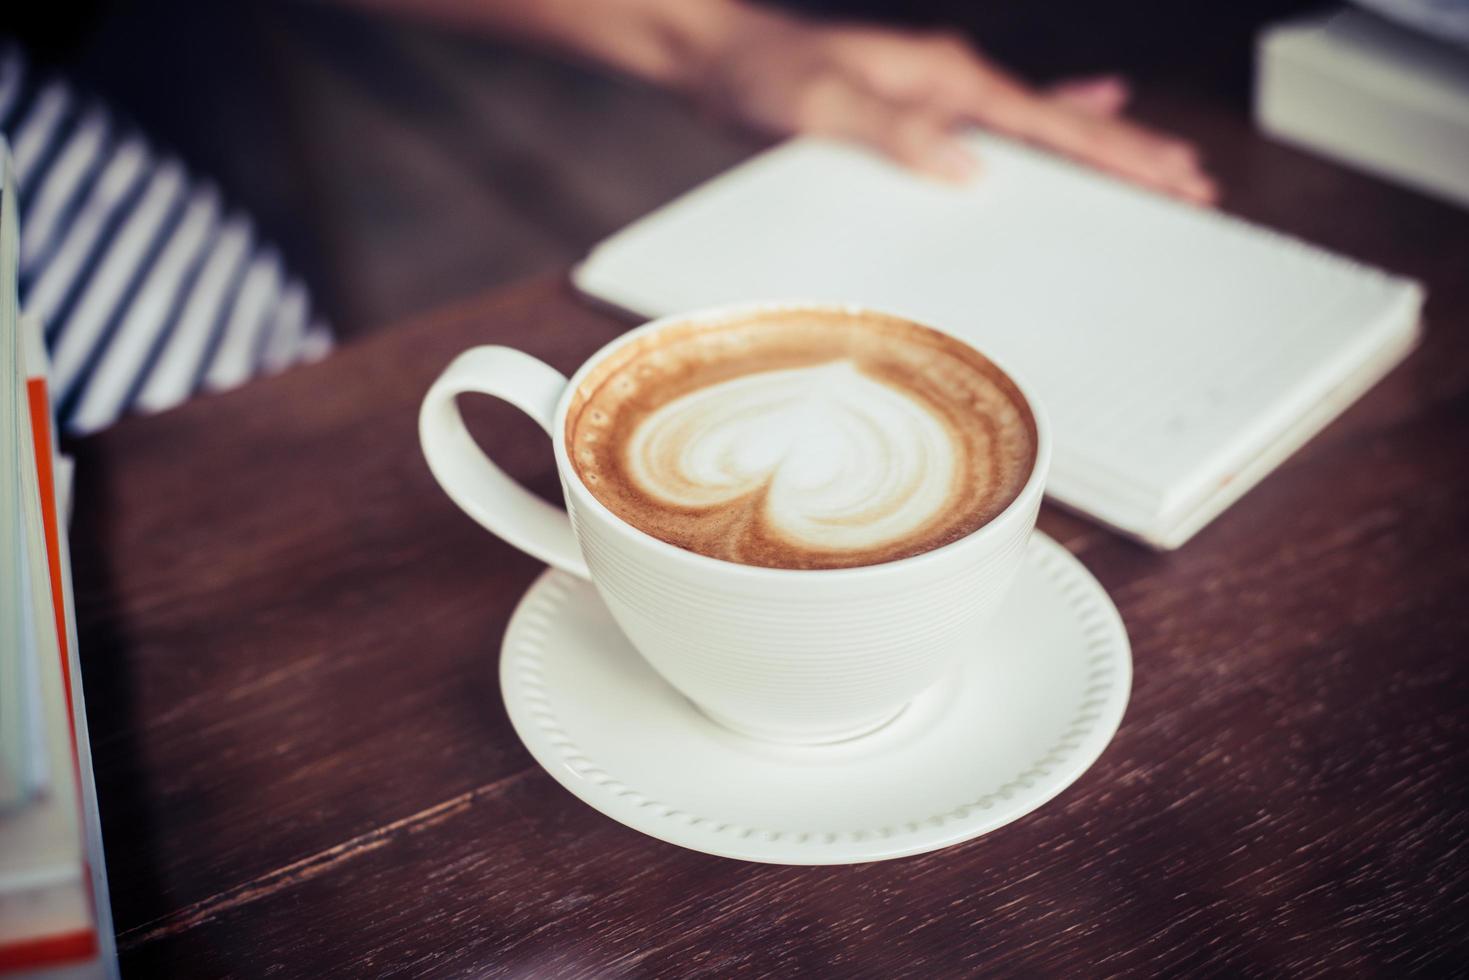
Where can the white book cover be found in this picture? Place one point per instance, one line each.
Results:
(44, 891)
(22, 755)
(1180, 353)
(54, 911)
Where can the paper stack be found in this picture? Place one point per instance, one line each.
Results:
(54, 915)
(1373, 94)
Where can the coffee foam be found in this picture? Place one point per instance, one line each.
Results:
(801, 439)
(840, 461)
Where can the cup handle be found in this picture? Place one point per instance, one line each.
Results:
(477, 485)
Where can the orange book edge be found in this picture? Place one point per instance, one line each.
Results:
(81, 944)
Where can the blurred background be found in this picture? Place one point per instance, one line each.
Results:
(401, 167)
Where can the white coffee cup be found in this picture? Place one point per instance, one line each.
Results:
(790, 655)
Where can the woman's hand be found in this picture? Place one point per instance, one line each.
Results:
(907, 93)
(901, 92)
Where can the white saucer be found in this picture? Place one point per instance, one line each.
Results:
(1027, 714)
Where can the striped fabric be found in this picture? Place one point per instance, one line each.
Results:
(150, 287)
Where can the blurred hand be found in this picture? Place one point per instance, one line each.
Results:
(907, 93)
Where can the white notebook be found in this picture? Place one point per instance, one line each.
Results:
(1180, 354)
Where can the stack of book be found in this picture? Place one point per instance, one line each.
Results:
(54, 916)
(1386, 94)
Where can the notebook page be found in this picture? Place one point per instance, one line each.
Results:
(19, 774)
(1166, 343)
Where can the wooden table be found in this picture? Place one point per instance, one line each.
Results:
(289, 638)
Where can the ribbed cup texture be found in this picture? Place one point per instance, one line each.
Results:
(804, 656)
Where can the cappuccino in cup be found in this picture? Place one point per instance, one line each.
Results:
(802, 439)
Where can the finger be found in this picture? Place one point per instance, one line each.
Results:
(1104, 95)
(1163, 163)
(926, 143)
(919, 139)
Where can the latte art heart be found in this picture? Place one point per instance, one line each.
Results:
(801, 439)
(834, 459)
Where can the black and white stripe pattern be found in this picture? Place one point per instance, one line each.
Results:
(150, 289)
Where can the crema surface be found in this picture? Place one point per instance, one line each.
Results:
(802, 439)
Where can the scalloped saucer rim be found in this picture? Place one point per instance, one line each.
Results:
(1020, 721)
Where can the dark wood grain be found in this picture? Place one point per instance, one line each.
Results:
(289, 641)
